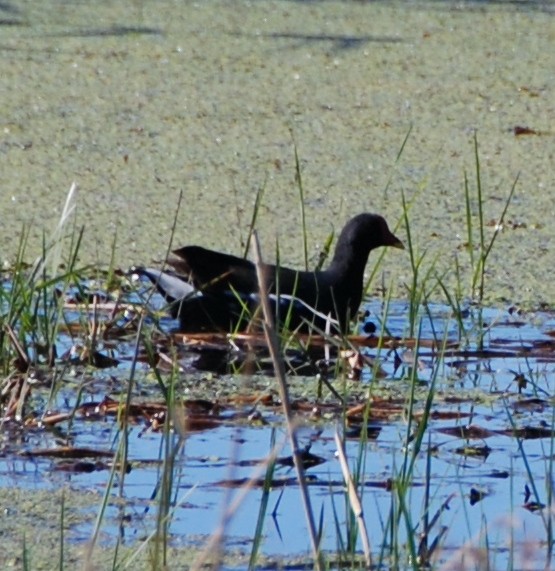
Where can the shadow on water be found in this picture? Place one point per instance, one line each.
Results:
(9, 8)
(8, 22)
(521, 5)
(13, 15)
(338, 42)
(115, 31)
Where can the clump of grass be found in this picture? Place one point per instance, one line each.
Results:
(479, 248)
(31, 302)
(418, 289)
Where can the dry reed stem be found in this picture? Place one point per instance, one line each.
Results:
(354, 500)
(279, 367)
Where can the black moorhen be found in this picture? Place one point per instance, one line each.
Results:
(212, 291)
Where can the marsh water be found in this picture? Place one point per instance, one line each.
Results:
(485, 466)
(141, 101)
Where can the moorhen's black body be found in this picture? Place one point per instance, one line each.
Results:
(213, 291)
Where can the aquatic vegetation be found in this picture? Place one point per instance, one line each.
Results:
(403, 440)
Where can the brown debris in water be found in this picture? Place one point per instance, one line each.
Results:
(78, 460)
(470, 432)
(68, 452)
(519, 130)
(528, 432)
(377, 409)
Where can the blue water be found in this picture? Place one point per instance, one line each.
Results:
(480, 387)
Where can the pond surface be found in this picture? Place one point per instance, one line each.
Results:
(138, 100)
(485, 464)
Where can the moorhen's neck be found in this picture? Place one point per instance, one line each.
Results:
(349, 260)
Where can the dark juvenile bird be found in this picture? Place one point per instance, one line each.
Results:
(212, 291)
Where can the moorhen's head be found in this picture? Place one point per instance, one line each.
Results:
(362, 234)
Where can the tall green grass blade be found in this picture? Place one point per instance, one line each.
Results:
(254, 216)
(325, 252)
(25, 554)
(262, 511)
(88, 558)
(481, 221)
(299, 180)
(397, 160)
(527, 466)
(469, 229)
(502, 217)
(478, 262)
(171, 446)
